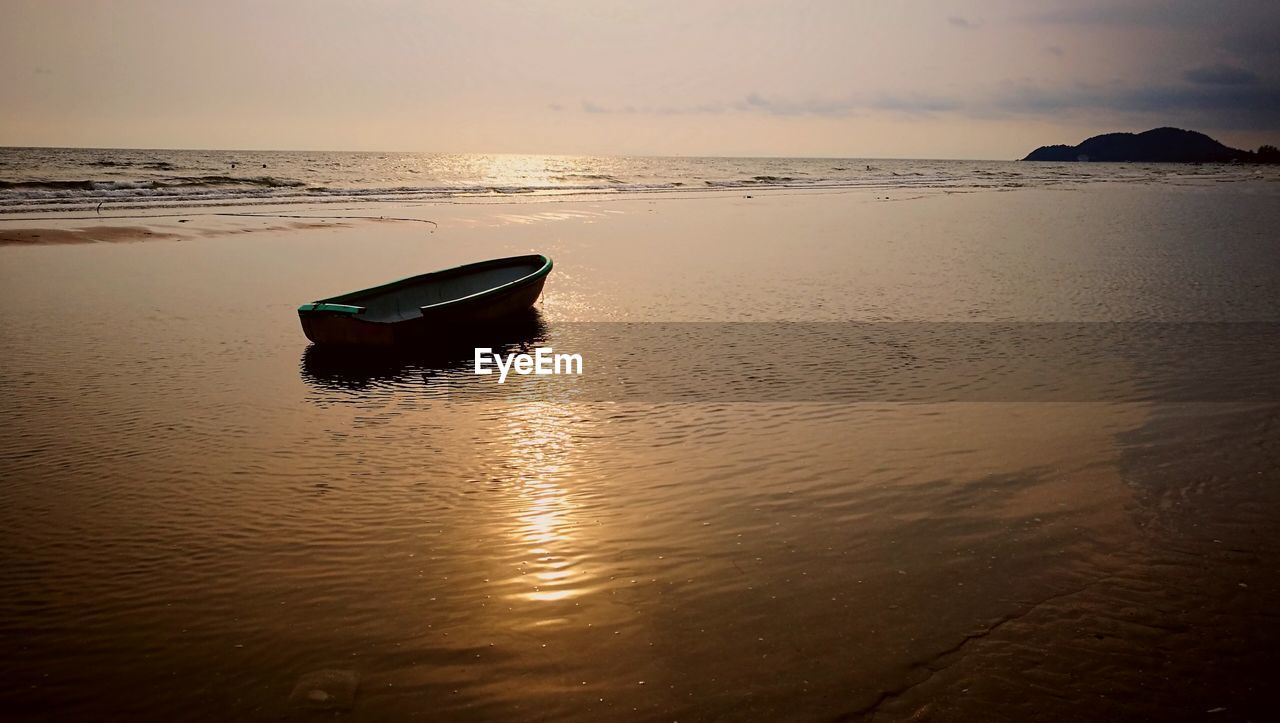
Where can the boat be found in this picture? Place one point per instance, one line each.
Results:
(439, 304)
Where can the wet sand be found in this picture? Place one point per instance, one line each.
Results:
(1184, 629)
(158, 229)
(198, 514)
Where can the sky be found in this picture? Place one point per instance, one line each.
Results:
(850, 78)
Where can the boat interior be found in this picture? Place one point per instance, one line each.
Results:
(403, 302)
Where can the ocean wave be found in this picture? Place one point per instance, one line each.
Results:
(587, 177)
(51, 185)
(266, 181)
(150, 166)
(178, 182)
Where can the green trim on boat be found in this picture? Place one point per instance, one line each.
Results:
(336, 308)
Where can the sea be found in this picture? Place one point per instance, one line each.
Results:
(78, 179)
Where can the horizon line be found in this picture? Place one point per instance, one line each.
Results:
(503, 153)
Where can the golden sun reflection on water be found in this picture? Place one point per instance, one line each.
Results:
(546, 529)
(518, 170)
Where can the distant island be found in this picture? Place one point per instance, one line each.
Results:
(1159, 145)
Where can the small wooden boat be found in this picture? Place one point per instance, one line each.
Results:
(420, 307)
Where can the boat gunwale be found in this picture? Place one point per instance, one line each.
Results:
(335, 305)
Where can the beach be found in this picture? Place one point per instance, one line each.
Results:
(202, 516)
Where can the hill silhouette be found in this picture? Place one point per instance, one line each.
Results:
(1159, 145)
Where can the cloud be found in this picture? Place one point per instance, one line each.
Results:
(1257, 42)
(916, 104)
(909, 104)
(1220, 75)
(703, 108)
(1144, 13)
(782, 106)
(555, 107)
(1213, 96)
(1252, 106)
(1243, 30)
(1055, 50)
(959, 22)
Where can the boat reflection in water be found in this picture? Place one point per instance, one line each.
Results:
(437, 366)
(523, 457)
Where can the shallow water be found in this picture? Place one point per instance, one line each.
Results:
(197, 517)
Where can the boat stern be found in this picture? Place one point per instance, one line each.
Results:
(328, 323)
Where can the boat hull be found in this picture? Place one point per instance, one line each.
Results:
(333, 322)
